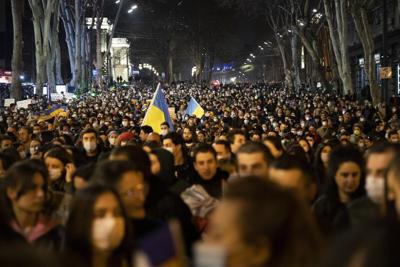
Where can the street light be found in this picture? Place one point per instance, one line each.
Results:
(132, 8)
(117, 2)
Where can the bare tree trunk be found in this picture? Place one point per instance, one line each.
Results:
(295, 62)
(99, 55)
(78, 44)
(59, 79)
(69, 28)
(338, 31)
(16, 65)
(360, 16)
(315, 59)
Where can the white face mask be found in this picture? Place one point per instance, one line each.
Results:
(112, 141)
(54, 174)
(89, 146)
(163, 132)
(107, 233)
(170, 149)
(124, 123)
(375, 187)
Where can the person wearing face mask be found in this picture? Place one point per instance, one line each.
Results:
(373, 205)
(357, 133)
(91, 149)
(112, 139)
(165, 128)
(98, 233)
(61, 169)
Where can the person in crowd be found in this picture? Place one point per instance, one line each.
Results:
(82, 176)
(321, 161)
(292, 173)
(35, 149)
(91, 148)
(274, 145)
(259, 224)
(112, 139)
(25, 136)
(346, 183)
(174, 143)
(22, 213)
(188, 137)
(61, 168)
(237, 138)
(253, 159)
(130, 182)
(5, 142)
(209, 176)
(393, 137)
(165, 128)
(98, 232)
(223, 150)
(145, 131)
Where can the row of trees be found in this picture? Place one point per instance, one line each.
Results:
(297, 23)
(46, 18)
(178, 29)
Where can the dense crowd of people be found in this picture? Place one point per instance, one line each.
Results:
(267, 177)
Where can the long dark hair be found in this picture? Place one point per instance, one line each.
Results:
(79, 227)
(20, 178)
(338, 156)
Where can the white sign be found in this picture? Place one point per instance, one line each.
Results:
(8, 102)
(24, 103)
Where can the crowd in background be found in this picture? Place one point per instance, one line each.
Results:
(267, 177)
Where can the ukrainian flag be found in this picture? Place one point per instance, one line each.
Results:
(157, 112)
(194, 108)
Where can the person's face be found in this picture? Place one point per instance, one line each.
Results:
(224, 231)
(377, 163)
(108, 225)
(326, 151)
(142, 136)
(206, 165)
(238, 141)
(155, 164)
(31, 201)
(164, 129)
(5, 144)
(170, 146)
(187, 134)
(304, 145)
(222, 151)
(394, 138)
(252, 164)
(89, 137)
(201, 138)
(292, 179)
(131, 188)
(54, 165)
(23, 135)
(348, 178)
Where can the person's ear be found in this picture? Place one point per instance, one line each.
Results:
(11, 194)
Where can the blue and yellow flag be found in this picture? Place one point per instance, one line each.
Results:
(157, 112)
(53, 111)
(194, 108)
